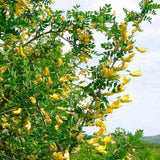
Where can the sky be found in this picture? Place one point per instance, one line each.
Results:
(144, 111)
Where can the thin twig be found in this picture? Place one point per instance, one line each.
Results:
(43, 118)
(8, 157)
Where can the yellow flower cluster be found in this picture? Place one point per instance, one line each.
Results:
(124, 31)
(102, 129)
(22, 6)
(106, 73)
(84, 38)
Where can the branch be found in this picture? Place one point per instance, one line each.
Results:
(117, 150)
(8, 157)
(43, 118)
(42, 34)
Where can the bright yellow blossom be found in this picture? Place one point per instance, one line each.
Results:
(55, 96)
(18, 111)
(46, 71)
(125, 98)
(60, 62)
(129, 58)
(142, 50)
(125, 80)
(49, 81)
(58, 155)
(27, 125)
(107, 139)
(92, 141)
(101, 149)
(136, 73)
(107, 73)
(33, 100)
(116, 104)
(59, 121)
(80, 138)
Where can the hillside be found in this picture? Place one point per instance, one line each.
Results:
(152, 139)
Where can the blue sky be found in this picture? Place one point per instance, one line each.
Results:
(144, 111)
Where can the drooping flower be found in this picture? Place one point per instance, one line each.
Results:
(60, 62)
(33, 100)
(18, 111)
(107, 139)
(142, 50)
(129, 58)
(125, 80)
(136, 73)
(49, 81)
(46, 71)
(92, 141)
(125, 98)
(27, 125)
(116, 104)
(101, 149)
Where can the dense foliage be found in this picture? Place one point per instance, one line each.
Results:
(47, 95)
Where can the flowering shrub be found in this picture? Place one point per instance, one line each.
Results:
(47, 95)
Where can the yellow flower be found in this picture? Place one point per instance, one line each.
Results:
(136, 73)
(61, 108)
(129, 47)
(22, 53)
(107, 73)
(63, 18)
(101, 149)
(83, 58)
(129, 58)
(18, 111)
(80, 138)
(46, 71)
(84, 38)
(27, 125)
(59, 121)
(60, 62)
(99, 123)
(101, 131)
(125, 98)
(66, 155)
(108, 110)
(58, 155)
(106, 139)
(92, 141)
(142, 50)
(64, 94)
(33, 100)
(70, 28)
(122, 67)
(125, 80)
(48, 119)
(124, 36)
(116, 104)
(124, 26)
(2, 69)
(63, 79)
(55, 96)
(119, 88)
(1, 79)
(49, 81)
(56, 127)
